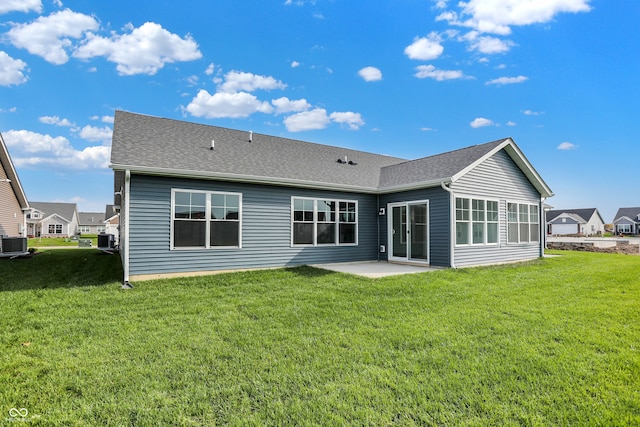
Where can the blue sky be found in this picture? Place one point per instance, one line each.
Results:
(408, 78)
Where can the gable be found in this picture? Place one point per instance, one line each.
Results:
(9, 177)
(496, 175)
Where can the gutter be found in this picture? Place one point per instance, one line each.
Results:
(452, 225)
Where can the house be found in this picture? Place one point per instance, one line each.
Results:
(14, 201)
(111, 221)
(51, 219)
(199, 198)
(91, 222)
(574, 222)
(627, 221)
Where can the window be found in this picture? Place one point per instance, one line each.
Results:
(101, 229)
(205, 219)
(324, 222)
(523, 223)
(55, 228)
(624, 228)
(84, 229)
(462, 221)
(476, 221)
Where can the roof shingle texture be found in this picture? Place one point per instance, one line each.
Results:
(65, 210)
(172, 145)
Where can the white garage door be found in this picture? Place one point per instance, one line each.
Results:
(564, 228)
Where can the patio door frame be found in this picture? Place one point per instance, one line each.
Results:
(410, 228)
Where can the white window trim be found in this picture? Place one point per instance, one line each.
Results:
(470, 232)
(315, 222)
(207, 220)
(529, 204)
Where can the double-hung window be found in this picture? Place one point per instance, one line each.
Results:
(55, 228)
(205, 219)
(476, 221)
(523, 222)
(324, 222)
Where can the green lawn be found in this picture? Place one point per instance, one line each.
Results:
(551, 342)
(44, 242)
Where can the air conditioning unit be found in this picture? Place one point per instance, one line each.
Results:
(14, 244)
(106, 241)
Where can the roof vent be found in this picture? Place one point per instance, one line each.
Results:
(346, 161)
(250, 136)
(213, 145)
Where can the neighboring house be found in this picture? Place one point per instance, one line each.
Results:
(199, 198)
(574, 222)
(111, 221)
(13, 201)
(627, 221)
(50, 219)
(91, 222)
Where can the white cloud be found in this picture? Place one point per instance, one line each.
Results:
(425, 129)
(93, 133)
(319, 119)
(286, 105)
(55, 120)
(221, 104)
(209, 70)
(497, 16)
(295, 64)
(50, 36)
(307, 120)
(352, 120)
(488, 45)
(425, 48)
(510, 123)
(532, 113)
(236, 81)
(479, 122)
(11, 70)
(20, 6)
(429, 71)
(34, 149)
(107, 119)
(144, 50)
(567, 146)
(370, 74)
(507, 80)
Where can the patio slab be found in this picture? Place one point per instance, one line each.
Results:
(376, 269)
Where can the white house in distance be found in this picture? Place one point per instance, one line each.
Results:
(587, 222)
(627, 221)
(91, 223)
(50, 219)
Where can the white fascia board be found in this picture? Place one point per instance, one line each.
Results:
(180, 173)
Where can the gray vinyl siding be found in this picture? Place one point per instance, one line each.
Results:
(498, 178)
(439, 227)
(266, 229)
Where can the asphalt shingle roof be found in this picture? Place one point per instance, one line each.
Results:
(166, 146)
(65, 210)
(628, 212)
(584, 214)
(90, 218)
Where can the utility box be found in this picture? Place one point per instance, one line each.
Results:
(84, 243)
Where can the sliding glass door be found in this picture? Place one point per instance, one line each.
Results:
(408, 226)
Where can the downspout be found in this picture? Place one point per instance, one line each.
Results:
(452, 224)
(378, 206)
(125, 254)
(543, 228)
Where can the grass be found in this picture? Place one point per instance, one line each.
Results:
(551, 342)
(44, 242)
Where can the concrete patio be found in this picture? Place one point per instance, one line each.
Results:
(376, 269)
